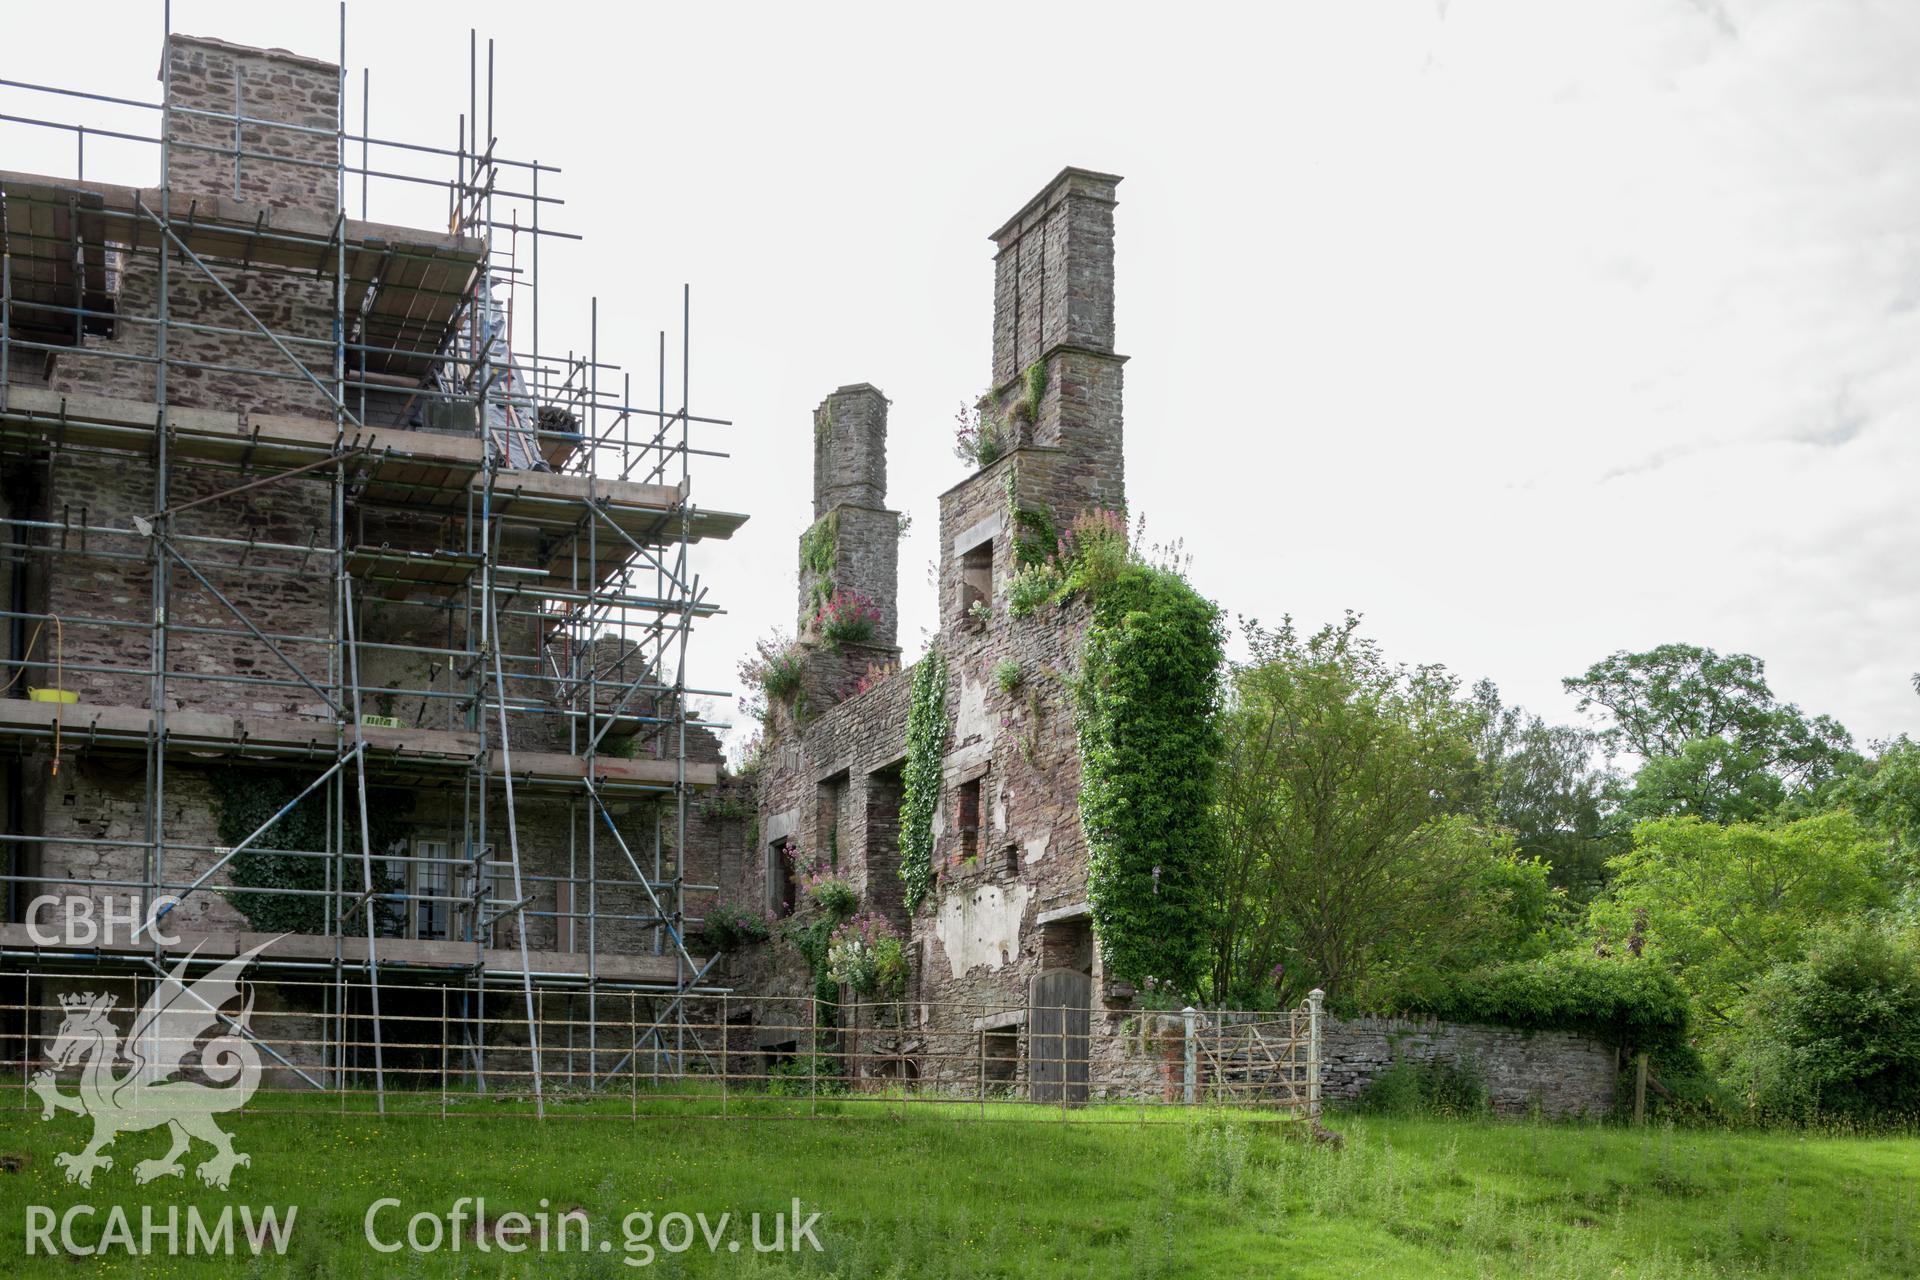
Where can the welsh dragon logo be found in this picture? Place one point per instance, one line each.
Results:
(145, 1095)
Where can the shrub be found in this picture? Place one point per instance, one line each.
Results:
(846, 617)
(1007, 675)
(833, 895)
(1627, 1003)
(1094, 547)
(867, 956)
(978, 440)
(1432, 1088)
(774, 673)
(1030, 588)
(729, 927)
(1837, 1032)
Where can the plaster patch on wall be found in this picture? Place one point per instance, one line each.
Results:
(1000, 805)
(1037, 849)
(970, 718)
(981, 928)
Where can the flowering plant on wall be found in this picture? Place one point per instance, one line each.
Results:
(825, 888)
(728, 927)
(775, 673)
(846, 617)
(867, 955)
(978, 440)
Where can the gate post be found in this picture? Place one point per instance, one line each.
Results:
(1188, 1017)
(1314, 997)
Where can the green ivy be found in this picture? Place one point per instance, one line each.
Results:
(811, 941)
(819, 548)
(1036, 387)
(1035, 537)
(920, 775)
(245, 798)
(1144, 706)
(1627, 1003)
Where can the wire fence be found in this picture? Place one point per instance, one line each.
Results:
(457, 1051)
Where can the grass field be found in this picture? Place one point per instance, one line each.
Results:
(1019, 1193)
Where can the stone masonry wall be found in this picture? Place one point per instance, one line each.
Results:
(210, 75)
(1556, 1073)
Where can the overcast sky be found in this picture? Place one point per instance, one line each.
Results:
(1530, 330)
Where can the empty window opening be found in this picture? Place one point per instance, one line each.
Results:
(967, 821)
(780, 879)
(1067, 944)
(976, 578)
(1000, 1056)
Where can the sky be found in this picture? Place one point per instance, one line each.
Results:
(1531, 331)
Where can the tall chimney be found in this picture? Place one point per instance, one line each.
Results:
(285, 168)
(1053, 311)
(854, 542)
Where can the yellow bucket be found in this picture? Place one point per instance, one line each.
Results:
(51, 695)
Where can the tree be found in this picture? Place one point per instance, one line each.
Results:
(1714, 742)
(1545, 783)
(1338, 847)
(1720, 905)
(1838, 1030)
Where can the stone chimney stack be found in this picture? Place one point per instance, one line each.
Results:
(228, 80)
(1053, 309)
(854, 542)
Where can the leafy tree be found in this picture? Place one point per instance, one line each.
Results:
(1837, 1031)
(1721, 905)
(1714, 741)
(1338, 845)
(1544, 782)
(1885, 791)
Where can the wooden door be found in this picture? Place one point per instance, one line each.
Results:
(1059, 1020)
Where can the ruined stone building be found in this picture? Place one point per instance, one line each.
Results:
(1008, 908)
(346, 634)
(346, 630)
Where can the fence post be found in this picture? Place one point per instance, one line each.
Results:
(1314, 997)
(1639, 1088)
(1191, 1077)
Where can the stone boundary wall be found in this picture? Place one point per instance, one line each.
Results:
(1557, 1072)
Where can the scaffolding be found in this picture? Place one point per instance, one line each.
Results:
(522, 516)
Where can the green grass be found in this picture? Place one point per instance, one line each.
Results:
(1019, 1193)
